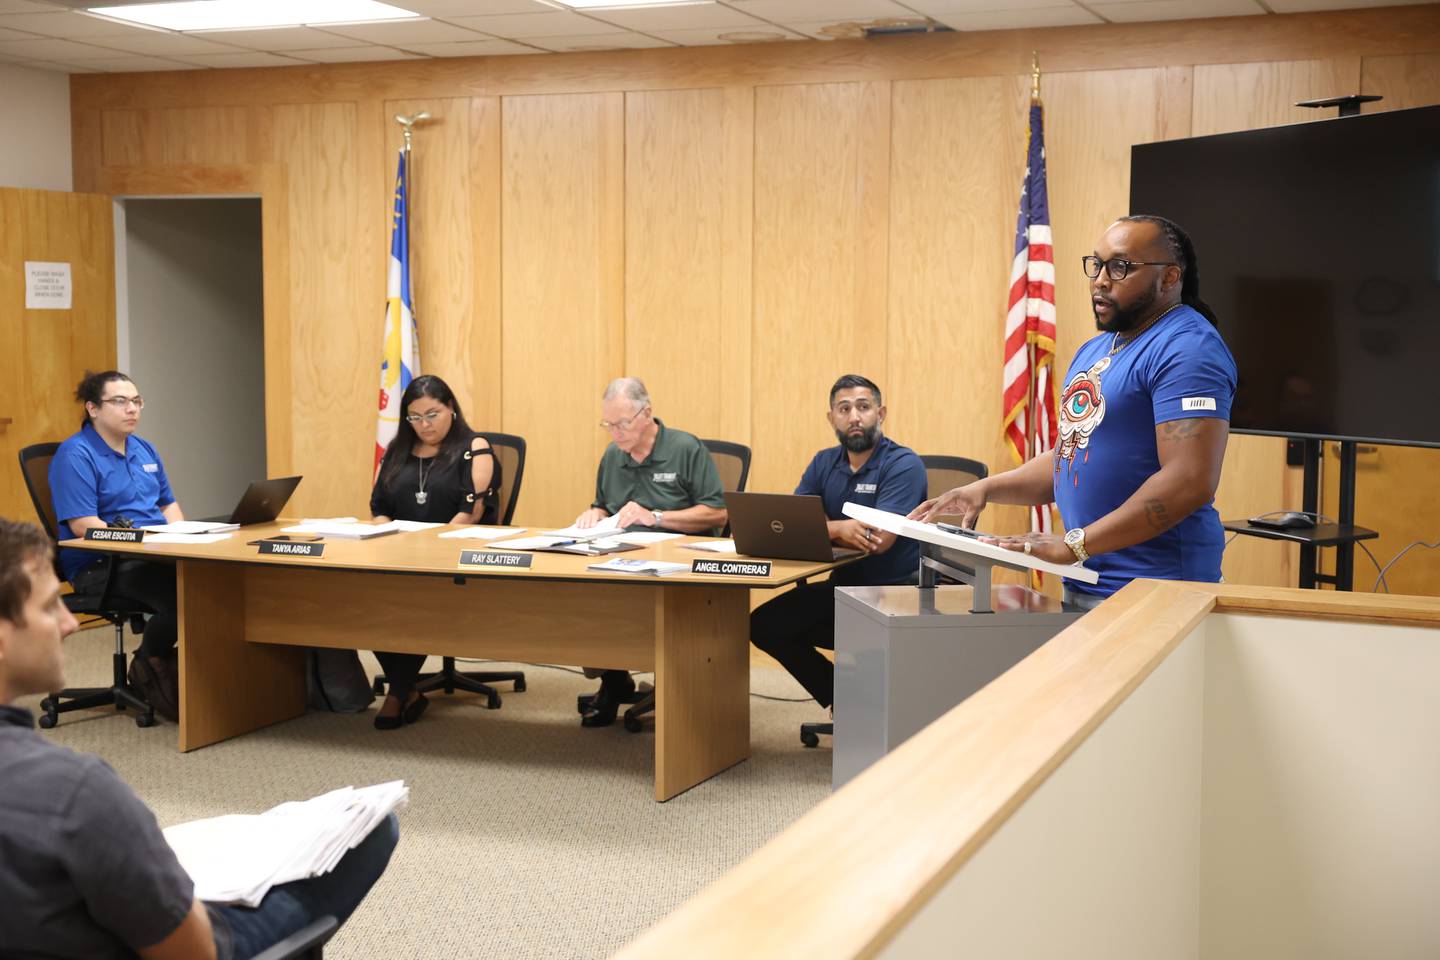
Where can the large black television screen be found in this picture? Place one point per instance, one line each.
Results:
(1319, 248)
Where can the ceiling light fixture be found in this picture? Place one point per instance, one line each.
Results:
(252, 14)
(631, 4)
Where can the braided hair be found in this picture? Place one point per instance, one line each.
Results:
(1183, 251)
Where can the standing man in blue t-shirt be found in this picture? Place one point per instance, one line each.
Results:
(867, 468)
(104, 475)
(1144, 418)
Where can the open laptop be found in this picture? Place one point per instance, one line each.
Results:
(262, 502)
(781, 526)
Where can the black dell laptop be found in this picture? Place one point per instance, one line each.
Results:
(262, 502)
(782, 526)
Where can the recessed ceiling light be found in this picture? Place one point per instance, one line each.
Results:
(251, 14)
(631, 4)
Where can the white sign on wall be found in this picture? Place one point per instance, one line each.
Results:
(47, 286)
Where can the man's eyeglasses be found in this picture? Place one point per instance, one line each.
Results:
(121, 403)
(625, 424)
(426, 417)
(1117, 268)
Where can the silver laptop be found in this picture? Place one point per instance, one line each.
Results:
(782, 526)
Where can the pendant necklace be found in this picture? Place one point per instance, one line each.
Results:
(420, 495)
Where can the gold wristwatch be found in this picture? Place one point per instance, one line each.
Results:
(1075, 540)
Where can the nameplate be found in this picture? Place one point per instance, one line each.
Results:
(731, 568)
(494, 558)
(280, 548)
(115, 534)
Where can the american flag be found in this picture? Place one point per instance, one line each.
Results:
(1030, 401)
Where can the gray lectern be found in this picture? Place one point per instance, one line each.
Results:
(906, 654)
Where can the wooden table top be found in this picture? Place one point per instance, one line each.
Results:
(423, 552)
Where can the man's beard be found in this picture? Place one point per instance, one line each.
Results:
(1127, 318)
(862, 441)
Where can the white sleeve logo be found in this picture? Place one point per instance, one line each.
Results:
(1197, 403)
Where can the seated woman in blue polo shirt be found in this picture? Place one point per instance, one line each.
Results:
(106, 475)
(867, 468)
(436, 470)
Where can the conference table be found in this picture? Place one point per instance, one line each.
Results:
(245, 619)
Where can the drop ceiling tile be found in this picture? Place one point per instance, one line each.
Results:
(71, 25)
(935, 8)
(404, 33)
(164, 45)
(53, 66)
(712, 37)
(850, 29)
(44, 48)
(590, 42)
(24, 6)
(353, 54)
(243, 58)
(1016, 19)
(696, 17)
(470, 8)
(276, 39)
(471, 48)
(809, 11)
(135, 65)
(7, 34)
(524, 26)
(1137, 11)
(1301, 6)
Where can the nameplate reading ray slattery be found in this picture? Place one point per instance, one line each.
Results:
(115, 534)
(281, 549)
(495, 558)
(731, 568)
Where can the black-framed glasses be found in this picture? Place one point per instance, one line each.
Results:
(1118, 268)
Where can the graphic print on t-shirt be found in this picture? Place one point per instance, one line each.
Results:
(1082, 409)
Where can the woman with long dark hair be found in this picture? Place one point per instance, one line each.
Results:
(436, 470)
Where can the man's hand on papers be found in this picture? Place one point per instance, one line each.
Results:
(590, 517)
(632, 513)
(964, 502)
(1043, 546)
(855, 535)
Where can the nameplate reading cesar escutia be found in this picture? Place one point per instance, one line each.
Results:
(494, 558)
(732, 568)
(115, 535)
(282, 549)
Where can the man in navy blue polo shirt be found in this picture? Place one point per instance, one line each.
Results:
(106, 475)
(867, 468)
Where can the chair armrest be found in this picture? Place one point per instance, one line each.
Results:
(303, 943)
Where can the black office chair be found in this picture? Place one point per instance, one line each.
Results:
(35, 467)
(307, 943)
(510, 453)
(942, 473)
(732, 460)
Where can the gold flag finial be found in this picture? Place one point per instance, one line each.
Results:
(1035, 76)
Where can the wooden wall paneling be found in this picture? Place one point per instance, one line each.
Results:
(562, 291)
(821, 195)
(1412, 80)
(952, 219)
(177, 135)
(454, 233)
(737, 252)
(675, 197)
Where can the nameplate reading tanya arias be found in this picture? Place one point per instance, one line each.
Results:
(731, 568)
(281, 548)
(494, 558)
(115, 534)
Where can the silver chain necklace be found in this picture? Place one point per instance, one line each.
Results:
(1116, 344)
(420, 495)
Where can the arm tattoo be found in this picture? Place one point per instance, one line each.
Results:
(1156, 515)
(1180, 429)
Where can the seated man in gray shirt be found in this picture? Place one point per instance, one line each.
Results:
(84, 869)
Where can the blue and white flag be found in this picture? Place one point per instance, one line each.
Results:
(400, 362)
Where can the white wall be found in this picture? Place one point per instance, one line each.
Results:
(35, 118)
(196, 343)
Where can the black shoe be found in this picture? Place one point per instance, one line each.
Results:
(412, 710)
(157, 680)
(616, 685)
(391, 722)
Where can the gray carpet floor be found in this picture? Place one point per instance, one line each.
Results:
(526, 836)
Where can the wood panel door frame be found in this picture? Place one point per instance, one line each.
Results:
(267, 182)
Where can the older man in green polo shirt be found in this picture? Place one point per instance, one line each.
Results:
(650, 477)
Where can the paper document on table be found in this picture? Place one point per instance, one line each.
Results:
(714, 546)
(643, 537)
(480, 533)
(330, 520)
(530, 543)
(652, 568)
(411, 526)
(186, 537)
(238, 858)
(604, 527)
(353, 531)
(191, 527)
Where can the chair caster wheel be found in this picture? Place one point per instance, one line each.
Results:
(378, 686)
(633, 724)
(582, 702)
(493, 702)
(48, 721)
(810, 739)
(520, 685)
(145, 720)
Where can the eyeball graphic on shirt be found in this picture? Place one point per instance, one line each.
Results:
(1082, 409)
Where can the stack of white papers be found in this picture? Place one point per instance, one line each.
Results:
(238, 858)
(351, 529)
(186, 537)
(480, 533)
(603, 528)
(642, 537)
(191, 527)
(714, 546)
(652, 568)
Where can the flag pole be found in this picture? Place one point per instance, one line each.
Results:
(1035, 398)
